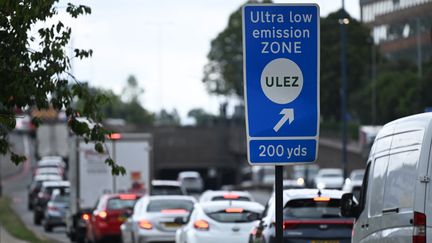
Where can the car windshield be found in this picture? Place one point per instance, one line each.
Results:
(61, 198)
(233, 217)
(311, 209)
(191, 180)
(118, 203)
(358, 177)
(160, 205)
(62, 189)
(166, 190)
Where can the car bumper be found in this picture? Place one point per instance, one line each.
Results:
(53, 220)
(294, 240)
(155, 236)
(217, 238)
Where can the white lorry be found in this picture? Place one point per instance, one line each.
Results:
(90, 177)
(53, 140)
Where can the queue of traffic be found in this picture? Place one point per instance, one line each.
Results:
(173, 211)
(389, 201)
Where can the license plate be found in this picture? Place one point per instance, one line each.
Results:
(171, 225)
(324, 241)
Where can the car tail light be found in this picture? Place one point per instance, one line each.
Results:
(231, 196)
(419, 231)
(234, 210)
(145, 224)
(321, 199)
(168, 211)
(256, 232)
(102, 214)
(201, 225)
(52, 208)
(85, 216)
(115, 136)
(291, 224)
(128, 196)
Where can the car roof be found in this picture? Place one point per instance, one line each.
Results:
(165, 183)
(330, 170)
(184, 174)
(311, 193)
(47, 177)
(50, 162)
(171, 197)
(214, 206)
(55, 183)
(58, 158)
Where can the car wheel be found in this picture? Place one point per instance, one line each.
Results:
(36, 219)
(48, 228)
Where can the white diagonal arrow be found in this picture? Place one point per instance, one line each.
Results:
(288, 115)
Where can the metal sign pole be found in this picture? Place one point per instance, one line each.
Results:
(279, 203)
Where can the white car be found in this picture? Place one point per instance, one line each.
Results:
(166, 187)
(220, 221)
(191, 181)
(50, 161)
(354, 183)
(49, 171)
(329, 179)
(211, 195)
(153, 218)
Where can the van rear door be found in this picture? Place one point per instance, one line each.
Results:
(396, 192)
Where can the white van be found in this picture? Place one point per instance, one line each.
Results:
(396, 198)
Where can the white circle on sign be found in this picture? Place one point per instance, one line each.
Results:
(282, 80)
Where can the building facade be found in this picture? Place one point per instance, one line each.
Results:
(401, 28)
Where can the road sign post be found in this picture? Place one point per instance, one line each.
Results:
(281, 87)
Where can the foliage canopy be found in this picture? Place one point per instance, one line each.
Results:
(35, 71)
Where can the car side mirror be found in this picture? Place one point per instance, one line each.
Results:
(348, 207)
(180, 220)
(128, 212)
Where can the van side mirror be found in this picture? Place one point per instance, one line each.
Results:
(349, 208)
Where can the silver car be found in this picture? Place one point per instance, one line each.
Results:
(55, 212)
(153, 218)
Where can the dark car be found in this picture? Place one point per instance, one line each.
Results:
(109, 214)
(35, 186)
(309, 216)
(55, 212)
(45, 195)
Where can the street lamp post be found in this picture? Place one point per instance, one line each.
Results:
(343, 21)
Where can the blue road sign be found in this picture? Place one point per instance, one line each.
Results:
(281, 82)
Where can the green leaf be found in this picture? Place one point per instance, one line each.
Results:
(109, 162)
(17, 159)
(99, 148)
(36, 121)
(4, 146)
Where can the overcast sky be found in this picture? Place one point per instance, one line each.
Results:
(162, 43)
